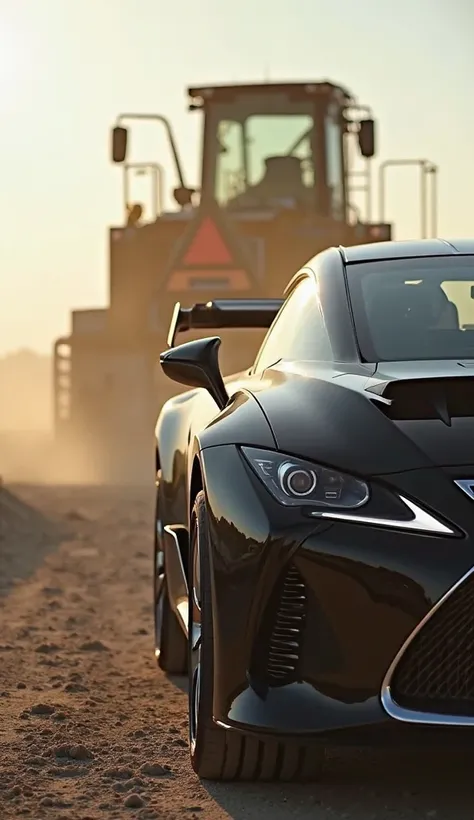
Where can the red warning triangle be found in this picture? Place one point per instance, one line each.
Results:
(208, 246)
(210, 256)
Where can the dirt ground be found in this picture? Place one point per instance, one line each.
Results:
(89, 728)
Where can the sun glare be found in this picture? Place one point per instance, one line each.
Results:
(14, 60)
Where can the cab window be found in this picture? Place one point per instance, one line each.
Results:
(298, 332)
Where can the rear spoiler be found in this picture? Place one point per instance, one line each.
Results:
(223, 313)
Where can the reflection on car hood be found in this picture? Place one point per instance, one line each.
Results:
(373, 420)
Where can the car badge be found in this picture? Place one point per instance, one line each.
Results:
(467, 486)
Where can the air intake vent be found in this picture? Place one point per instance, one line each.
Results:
(442, 399)
(277, 649)
(286, 637)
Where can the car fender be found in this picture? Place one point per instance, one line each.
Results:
(242, 421)
(172, 437)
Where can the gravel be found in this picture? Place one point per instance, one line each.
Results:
(89, 728)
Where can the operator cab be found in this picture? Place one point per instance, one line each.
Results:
(277, 146)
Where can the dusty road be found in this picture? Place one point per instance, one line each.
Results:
(89, 728)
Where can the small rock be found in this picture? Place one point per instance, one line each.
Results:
(153, 769)
(60, 715)
(127, 785)
(46, 801)
(42, 709)
(120, 773)
(94, 646)
(75, 687)
(46, 648)
(21, 686)
(80, 752)
(133, 801)
(15, 791)
(60, 751)
(36, 760)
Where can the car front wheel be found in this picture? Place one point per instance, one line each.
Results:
(218, 753)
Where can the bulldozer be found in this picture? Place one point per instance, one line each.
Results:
(275, 189)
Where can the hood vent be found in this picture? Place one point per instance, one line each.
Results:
(423, 399)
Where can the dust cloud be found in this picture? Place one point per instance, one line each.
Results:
(26, 417)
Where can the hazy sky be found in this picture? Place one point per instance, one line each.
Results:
(67, 67)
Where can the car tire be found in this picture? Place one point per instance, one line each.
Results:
(218, 753)
(171, 646)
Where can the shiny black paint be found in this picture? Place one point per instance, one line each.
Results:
(330, 417)
(191, 421)
(196, 364)
(368, 587)
(329, 274)
(405, 250)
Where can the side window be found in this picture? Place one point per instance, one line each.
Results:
(298, 331)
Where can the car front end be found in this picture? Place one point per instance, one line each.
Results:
(346, 624)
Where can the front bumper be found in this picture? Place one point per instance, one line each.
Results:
(309, 616)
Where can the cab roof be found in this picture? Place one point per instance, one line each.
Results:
(409, 249)
(224, 93)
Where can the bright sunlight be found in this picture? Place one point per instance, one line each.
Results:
(14, 63)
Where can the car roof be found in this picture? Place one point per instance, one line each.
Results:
(406, 249)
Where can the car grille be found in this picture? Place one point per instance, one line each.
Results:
(436, 671)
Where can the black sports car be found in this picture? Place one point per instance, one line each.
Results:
(315, 514)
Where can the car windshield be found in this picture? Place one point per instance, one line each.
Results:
(414, 309)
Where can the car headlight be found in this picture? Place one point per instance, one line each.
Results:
(297, 483)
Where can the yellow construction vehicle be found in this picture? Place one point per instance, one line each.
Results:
(275, 189)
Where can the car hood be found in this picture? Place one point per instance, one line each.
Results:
(373, 419)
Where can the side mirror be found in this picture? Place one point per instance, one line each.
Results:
(367, 138)
(196, 364)
(119, 144)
